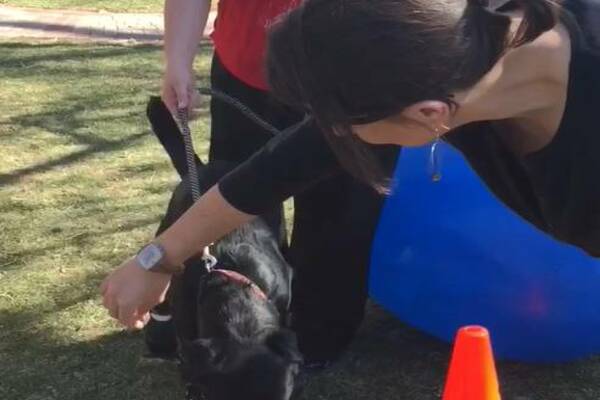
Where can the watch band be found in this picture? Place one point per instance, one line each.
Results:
(169, 270)
(152, 258)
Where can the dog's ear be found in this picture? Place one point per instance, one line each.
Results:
(285, 344)
(202, 356)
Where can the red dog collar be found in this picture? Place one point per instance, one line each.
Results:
(242, 280)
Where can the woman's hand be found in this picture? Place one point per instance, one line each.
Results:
(185, 22)
(178, 89)
(130, 292)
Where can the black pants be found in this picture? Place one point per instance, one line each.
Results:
(334, 224)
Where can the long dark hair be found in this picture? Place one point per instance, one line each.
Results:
(349, 62)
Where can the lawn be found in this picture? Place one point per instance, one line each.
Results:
(154, 6)
(82, 185)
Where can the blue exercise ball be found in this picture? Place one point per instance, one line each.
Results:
(449, 254)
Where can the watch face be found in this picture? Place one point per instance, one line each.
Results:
(150, 256)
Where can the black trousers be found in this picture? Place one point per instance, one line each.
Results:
(334, 224)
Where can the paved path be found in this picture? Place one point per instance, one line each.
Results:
(66, 25)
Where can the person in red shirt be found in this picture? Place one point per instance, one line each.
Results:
(335, 215)
(239, 39)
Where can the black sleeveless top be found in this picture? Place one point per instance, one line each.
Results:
(557, 188)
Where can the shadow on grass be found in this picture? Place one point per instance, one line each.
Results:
(96, 33)
(14, 176)
(107, 367)
(63, 348)
(82, 238)
(82, 114)
(13, 56)
(72, 117)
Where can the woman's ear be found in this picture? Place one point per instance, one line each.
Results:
(433, 114)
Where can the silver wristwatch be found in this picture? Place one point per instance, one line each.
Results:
(152, 258)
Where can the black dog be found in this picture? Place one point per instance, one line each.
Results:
(231, 321)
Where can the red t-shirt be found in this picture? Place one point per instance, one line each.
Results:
(240, 36)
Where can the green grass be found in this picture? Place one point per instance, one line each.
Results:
(82, 186)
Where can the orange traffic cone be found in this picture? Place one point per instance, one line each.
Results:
(472, 374)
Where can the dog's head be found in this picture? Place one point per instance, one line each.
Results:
(241, 351)
(222, 369)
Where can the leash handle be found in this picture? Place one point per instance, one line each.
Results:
(182, 116)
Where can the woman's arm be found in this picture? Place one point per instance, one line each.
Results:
(185, 21)
(285, 166)
(208, 220)
(130, 292)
